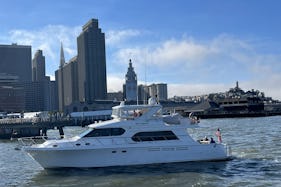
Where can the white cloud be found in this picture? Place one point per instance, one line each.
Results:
(187, 50)
(179, 51)
(196, 89)
(115, 83)
(115, 37)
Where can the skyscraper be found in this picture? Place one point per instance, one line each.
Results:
(60, 80)
(38, 67)
(67, 81)
(159, 91)
(131, 84)
(91, 63)
(15, 75)
(15, 60)
(12, 94)
(41, 96)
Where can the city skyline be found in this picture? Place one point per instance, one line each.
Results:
(196, 47)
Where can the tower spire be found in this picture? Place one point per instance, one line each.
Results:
(62, 59)
(237, 84)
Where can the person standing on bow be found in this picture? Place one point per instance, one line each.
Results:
(218, 134)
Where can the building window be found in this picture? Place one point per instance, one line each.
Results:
(154, 136)
(105, 132)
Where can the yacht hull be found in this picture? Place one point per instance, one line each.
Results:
(106, 157)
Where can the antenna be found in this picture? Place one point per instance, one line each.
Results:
(145, 86)
(137, 90)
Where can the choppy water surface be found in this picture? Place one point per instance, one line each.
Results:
(255, 142)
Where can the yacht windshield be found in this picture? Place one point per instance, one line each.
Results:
(115, 112)
(105, 132)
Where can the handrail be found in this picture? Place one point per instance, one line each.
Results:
(29, 141)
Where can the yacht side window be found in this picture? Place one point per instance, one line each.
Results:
(105, 132)
(154, 136)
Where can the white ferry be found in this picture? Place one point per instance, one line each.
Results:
(137, 134)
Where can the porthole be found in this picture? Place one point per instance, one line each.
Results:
(78, 144)
(55, 145)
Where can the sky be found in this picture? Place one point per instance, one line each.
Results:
(195, 46)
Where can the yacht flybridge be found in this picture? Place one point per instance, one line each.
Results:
(137, 134)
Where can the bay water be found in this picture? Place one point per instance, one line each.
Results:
(255, 145)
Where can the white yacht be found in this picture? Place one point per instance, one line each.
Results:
(137, 134)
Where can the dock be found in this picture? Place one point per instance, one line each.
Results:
(28, 127)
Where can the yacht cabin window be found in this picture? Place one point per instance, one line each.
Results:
(105, 132)
(154, 136)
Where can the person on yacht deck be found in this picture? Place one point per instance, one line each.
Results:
(218, 134)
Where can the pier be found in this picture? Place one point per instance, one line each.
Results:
(27, 127)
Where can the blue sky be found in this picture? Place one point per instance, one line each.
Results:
(196, 47)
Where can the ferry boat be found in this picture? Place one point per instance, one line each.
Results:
(137, 135)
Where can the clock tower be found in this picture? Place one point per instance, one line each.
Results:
(131, 84)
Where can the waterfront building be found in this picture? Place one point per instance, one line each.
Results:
(15, 70)
(38, 87)
(15, 60)
(59, 80)
(91, 63)
(162, 91)
(154, 90)
(67, 81)
(159, 91)
(143, 95)
(12, 95)
(53, 102)
(115, 96)
(82, 81)
(38, 67)
(41, 93)
(24, 86)
(131, 84)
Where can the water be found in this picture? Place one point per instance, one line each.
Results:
(255, 144)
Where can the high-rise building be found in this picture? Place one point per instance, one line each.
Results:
(24, 86)
(41, 91)
(131, 84)
(67, 81)
(12, 95)
(38, 67)
(15, 70)
(159, 91)
(91, 63)
(60, 80)
(70, 81)
(143, 95)
(38, 89)
(162, 91)
(15, 60)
